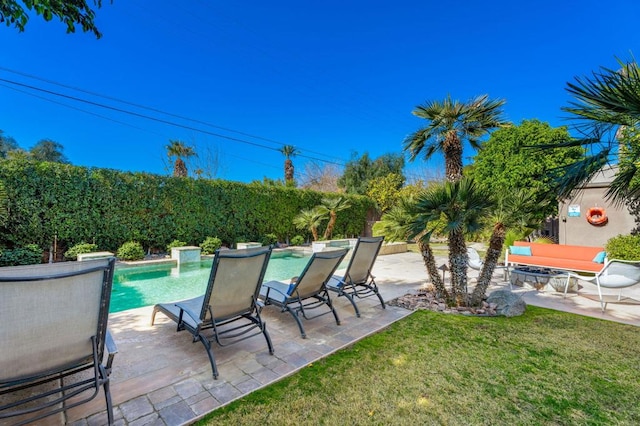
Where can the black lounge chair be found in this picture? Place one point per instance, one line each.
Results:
(230, 307)
(53, 336)
(357, 281)
(307, 291)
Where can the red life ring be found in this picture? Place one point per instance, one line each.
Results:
(597, 216)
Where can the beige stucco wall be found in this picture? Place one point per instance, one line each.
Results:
(575, 230)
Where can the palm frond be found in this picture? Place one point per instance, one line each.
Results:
(577, 174)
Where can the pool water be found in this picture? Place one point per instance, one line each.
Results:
(135, 287)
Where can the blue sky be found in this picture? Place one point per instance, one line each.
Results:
(241, 79)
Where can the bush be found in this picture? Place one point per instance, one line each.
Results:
(73, 252)
(269, 239)
(210, 245)
(624, 247)
(131, 250)
(298, 240)
(29, 255)
(176, 243)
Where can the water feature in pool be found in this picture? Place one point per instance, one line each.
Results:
(134, 287)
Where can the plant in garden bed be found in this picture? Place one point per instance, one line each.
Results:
(131, 250)
(73, 252)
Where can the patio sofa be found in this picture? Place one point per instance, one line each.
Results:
(555, 256)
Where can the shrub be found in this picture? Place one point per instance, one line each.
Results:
(29, 255)
(625, 247)
(73, 252)
(131, 250)
(210, 245)
(298, 240)
(544, 240)
(269, 239)
(175, 243)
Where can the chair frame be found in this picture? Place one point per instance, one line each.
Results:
(205, 318)
(358, 288)
(49, 275)
(600, 285)
(298, 304)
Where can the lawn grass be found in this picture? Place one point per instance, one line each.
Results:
(545, 367)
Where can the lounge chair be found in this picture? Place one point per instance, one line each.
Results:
(230, 307)
(475, 262)
(616, 274)
(53, 336)
(357, 281)
(307, 291)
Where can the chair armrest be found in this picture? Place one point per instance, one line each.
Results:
(192, 315)
(111, 347)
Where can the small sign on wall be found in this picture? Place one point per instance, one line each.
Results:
(573, 210)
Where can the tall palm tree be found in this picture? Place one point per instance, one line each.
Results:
(459, 207)
(178, 150)
(310, 220)
(451, 122)
(289, 151)
(331, 206)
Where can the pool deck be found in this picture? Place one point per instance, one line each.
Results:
(161, 378)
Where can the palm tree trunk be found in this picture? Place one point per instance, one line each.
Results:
(458, 260)
(430, 263)
(332, 223)
(489, 265)
(452, 150)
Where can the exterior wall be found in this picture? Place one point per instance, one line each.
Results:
(575, 230)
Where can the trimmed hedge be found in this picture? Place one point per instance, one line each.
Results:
(73, 204)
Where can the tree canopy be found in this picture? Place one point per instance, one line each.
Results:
(359, 171)
(511, 160)
(70, 12)
(48, 150)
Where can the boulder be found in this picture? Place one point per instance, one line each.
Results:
(508, 303)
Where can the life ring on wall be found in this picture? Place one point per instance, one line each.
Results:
(597, 216)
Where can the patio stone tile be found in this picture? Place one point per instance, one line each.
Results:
(205, 405)
(225, 393)
(294, 360)
(248, 386)
(152, 419)
(177, 414)
(162, 395)
(265, 376)
(188, 388)
(170, 401)
(136, 408)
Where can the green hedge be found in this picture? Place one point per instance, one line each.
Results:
(108, 208)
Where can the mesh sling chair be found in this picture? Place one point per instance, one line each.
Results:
(307, 291)
(230, 307)
(357, 281)
(616, 274)
(53, 336)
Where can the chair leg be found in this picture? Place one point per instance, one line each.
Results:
(297, 318)
(207, 346)
(107, 397)
(350, 299)
(335, 314)
(374, 288)
(267, 337)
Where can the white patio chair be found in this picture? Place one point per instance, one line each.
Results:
(616, 274)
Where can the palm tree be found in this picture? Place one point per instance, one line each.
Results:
(607, 104)
(288, 151)
(331, 206)
(459, 207)
(450, 122)
(512, 210)
(310, 220)
(396, 225)
(179, 150)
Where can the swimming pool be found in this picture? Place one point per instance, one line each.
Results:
(138, 286)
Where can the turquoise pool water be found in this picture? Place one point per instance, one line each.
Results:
(135, 287)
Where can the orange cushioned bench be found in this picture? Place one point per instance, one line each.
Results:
(556, 256)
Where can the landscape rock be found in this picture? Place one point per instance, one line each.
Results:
(507, 303)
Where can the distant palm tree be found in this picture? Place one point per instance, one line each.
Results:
(310, 220)
(289, 151)
(178, 150)
(331, 206)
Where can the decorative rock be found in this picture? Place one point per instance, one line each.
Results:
(507, 303)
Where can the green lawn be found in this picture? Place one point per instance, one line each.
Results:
(545, 367)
